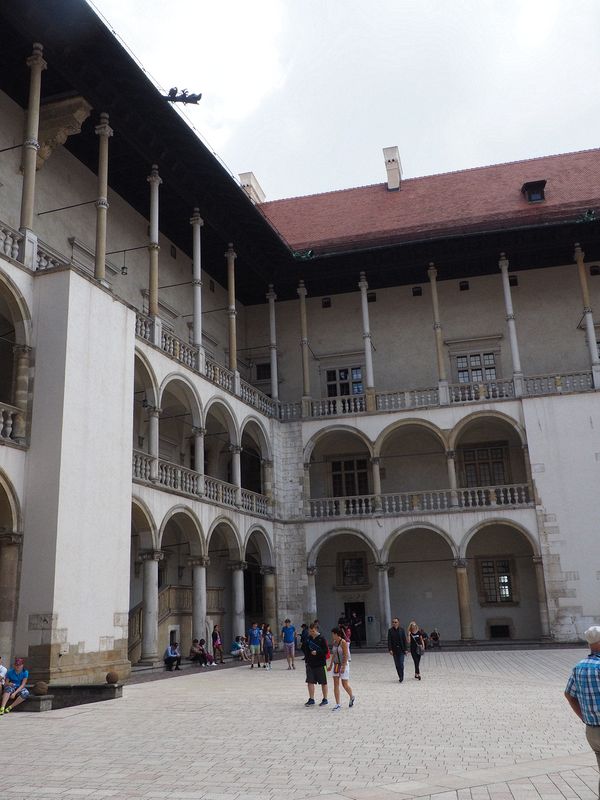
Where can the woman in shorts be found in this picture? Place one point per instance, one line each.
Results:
(340, 664)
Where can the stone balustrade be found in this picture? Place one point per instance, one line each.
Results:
(558, 384)
(142, 465)
(412, 398)
(290, 412)
(220, 492)
(411, 502)
(341, 506)
(9, 242)
(11, 419)
(254, 397)
(255, 503)
(481, 496)
(47, 260)
(179, 350)
(143, 327)
(219, 374)
(338, 406)
(178, 478)
(488, 390)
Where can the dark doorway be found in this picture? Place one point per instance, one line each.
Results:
(360, 633)
(253, 591)
(499, 632)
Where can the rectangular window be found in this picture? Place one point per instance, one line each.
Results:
(485, 465)
(344, 382)
(263, 372)
(476, 367)
(349, 477)
(496, 580)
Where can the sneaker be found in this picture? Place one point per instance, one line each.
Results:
(8, 709)
(351, 703)
(289, 667)
(309, 702)
(214, 664)
(2, 710)
(293, 667)
(251, 666)
(324, 702)
(336, 707)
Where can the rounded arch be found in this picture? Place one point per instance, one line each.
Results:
(403, 423)
(231, 535)
(149, 375)
(324, 432)
(9, 503)
(263, 545)
(329, 535)
(178, 381)
(189, 523)
(464, 423)
(411, 526)
(263, 436)
(143, 524)
(16, 305)
(509, 523)
(229, 417)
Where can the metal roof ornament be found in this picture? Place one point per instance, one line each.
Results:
(184, 96)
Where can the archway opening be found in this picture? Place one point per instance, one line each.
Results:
(219, 440)
(340, 476)
(179, 415)
(223, 553)
(254, 454)
(259, 581)
(141, 541)
(143, 400)
(413, 470)
(9, 557)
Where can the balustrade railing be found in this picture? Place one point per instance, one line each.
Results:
(9, 242)
(142, 465)
(254, 502)
(488, 390)
(47, 260)
(481, 496)
(412, 398)
(342, 506)
(176, 347)
(290, 411)
(337, 406)
(254, 397)
(11, 420)
(219, 374)
(180, 479)
(411, 502)
(220, 492)
(557, 384)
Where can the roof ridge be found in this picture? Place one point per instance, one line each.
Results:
(434, 175)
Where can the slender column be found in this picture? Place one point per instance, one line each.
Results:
(512, 327)
(370, 380)
(155, 181)
(267, 479)
(311, 593)
(236, 470)
(304, 345)
(452, 481)
(464, 599)
(22, 355)
(104, 132)
(306, 488)
(271, 297)
(588, 316)
(385, 607)
(239, 613)
(231, 255)
(538, 565)
(376, 475)
(439, 341)
(153, 437)
(9, 565)
(28, 247)
(269, 596)
(199, 566)
(150, 559)
(198, 434)
(197, 222)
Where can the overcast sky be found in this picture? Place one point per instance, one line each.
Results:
(306, 93)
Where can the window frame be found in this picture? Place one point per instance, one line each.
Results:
(344, 459)
(514, 581)
(503, 445)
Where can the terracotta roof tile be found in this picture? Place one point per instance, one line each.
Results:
(450, 203)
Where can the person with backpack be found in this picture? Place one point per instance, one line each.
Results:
(316, 660)
(340, 663)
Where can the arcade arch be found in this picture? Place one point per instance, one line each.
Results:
(15, 360)
(340, 466)
(255, 455)
(10, 546)
(221, 443)
(180, 415)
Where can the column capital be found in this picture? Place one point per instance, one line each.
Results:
(21, 349)
(103, 128)
(199, 561)
(450, 454)
(198, 431)
(154, 178)
(37, 57)
(237, 565)
(196, 219)
(270, 295)
(382, 566)
(301, 290)
(537, 560)
(267, 570)
(10, 538)
(362, 284)
(230, 252)
(235, 448)
(460, 563)
(306, 466)
(312, 571)
(266, 462)
(503, 262)
(578, 254)
(432, 271)
(154, 411)
(525, 448)
(376, 460)
(151, 555)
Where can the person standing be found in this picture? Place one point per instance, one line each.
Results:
(398, 646)
(356, 625)
(217, 643)
(268, 643)
(316, 661)
(254, 640)
(288, 634)
(417, 647)
(340, 663)
(304, 638)
(583, 691)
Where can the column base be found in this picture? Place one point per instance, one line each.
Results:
(237, 382)
(519, 384)
(28, 249)
(370, 402)
(150, 662)
(156, 331)
(443, 393)
(596, 375)
(306, 406)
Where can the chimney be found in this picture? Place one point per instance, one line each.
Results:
(393, 167)
(252, 187)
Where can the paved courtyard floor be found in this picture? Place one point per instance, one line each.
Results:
(479, 726)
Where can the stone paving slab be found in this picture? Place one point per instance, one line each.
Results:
(487, 725)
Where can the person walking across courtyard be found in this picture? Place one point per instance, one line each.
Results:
(417, 647)
(288, 635)
(583, 691)
(268, 644)
(254, 640)
(316, 661)
(340, 663)
(217, 643)
(398, 646)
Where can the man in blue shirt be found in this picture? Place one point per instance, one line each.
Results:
(288, 634)
(583, 691)
(14, 686)
(254, 640)
(172, 657)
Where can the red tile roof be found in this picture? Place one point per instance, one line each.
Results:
(484, 198)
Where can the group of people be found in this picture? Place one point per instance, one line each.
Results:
(13, 683)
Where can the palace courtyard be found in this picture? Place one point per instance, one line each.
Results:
(484, 725)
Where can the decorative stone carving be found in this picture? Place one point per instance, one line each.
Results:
(58, 121)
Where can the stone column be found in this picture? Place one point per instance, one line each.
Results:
(28, 247)
(306, 488)
(199, 566)
(439, 340)
(236, 470)
(198, 434)
(376, 475)
(271, 297)
(512, 327)
(588, 317)
(104, 132)
(464, 599)
(370, 380)
(153, 440)
(538, 565)
(269, 597)
(267, 480)
(197, 222)
(10, 544)
(150, 559)
(155, 181)
(239, 613)
(304, 345)
(452, 480)
(311, 594)
(385, 607)
(231, 255)
(22, 355)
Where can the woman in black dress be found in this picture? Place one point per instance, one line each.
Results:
(417, 646)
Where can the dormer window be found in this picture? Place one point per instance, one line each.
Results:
(534, 191)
